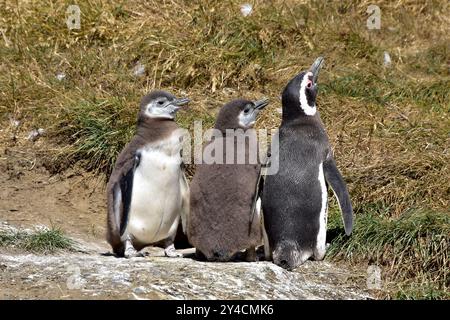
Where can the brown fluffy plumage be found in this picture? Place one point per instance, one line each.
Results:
(221, 221)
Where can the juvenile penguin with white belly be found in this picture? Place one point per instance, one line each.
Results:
(148, 191)
(222, 220)
(294, 199)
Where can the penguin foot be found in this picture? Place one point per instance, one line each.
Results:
(171, 252)
(250, 254)
(131, 252)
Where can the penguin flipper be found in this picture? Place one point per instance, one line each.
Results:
(258, 190)
(260, 181)
(337, 183)
(126, 190)
(185, 201)
(258, 194)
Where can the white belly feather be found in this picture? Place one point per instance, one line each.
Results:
(156, 197)
(321, 236)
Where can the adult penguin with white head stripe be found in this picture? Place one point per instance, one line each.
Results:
(295, 198)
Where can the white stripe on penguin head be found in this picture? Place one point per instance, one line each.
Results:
(307, 109)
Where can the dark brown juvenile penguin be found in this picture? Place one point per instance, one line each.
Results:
(147, 191)
(223, 192)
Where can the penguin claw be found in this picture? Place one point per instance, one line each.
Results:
(132, 253)
(171, 252)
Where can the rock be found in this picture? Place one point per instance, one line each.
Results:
(140, 290)
(158, 277)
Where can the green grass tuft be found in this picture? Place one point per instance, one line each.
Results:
(97, 131)
(413, 250)
(427, 291)
(47, 241)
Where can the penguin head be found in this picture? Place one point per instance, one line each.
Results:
(240, 113)
(288, 255)
(299, 96)
(160, 105)
(220, 255)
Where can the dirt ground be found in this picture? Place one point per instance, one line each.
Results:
(73, 201)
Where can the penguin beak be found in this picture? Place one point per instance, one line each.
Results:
(176, 104)
(261, 104)
(315, 68)
(179, 102)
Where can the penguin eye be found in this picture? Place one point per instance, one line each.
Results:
(247, 109)
(160, 102)
(309, 84)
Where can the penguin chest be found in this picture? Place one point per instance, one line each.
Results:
(156, 194)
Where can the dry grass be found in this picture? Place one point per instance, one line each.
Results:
(389, 126)
(413, 250)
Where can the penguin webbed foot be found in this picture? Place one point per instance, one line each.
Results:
(131, 252)
(171, 252)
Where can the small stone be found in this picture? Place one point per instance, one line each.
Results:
(140, 290)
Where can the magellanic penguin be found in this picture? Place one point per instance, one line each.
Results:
(294, 199)
(148, 191)
(221, 221)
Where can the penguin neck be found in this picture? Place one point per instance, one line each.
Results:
(296, 116)
(294, 113)
(292, 107)
(155, 129)
(224, 123)
(223, 129)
